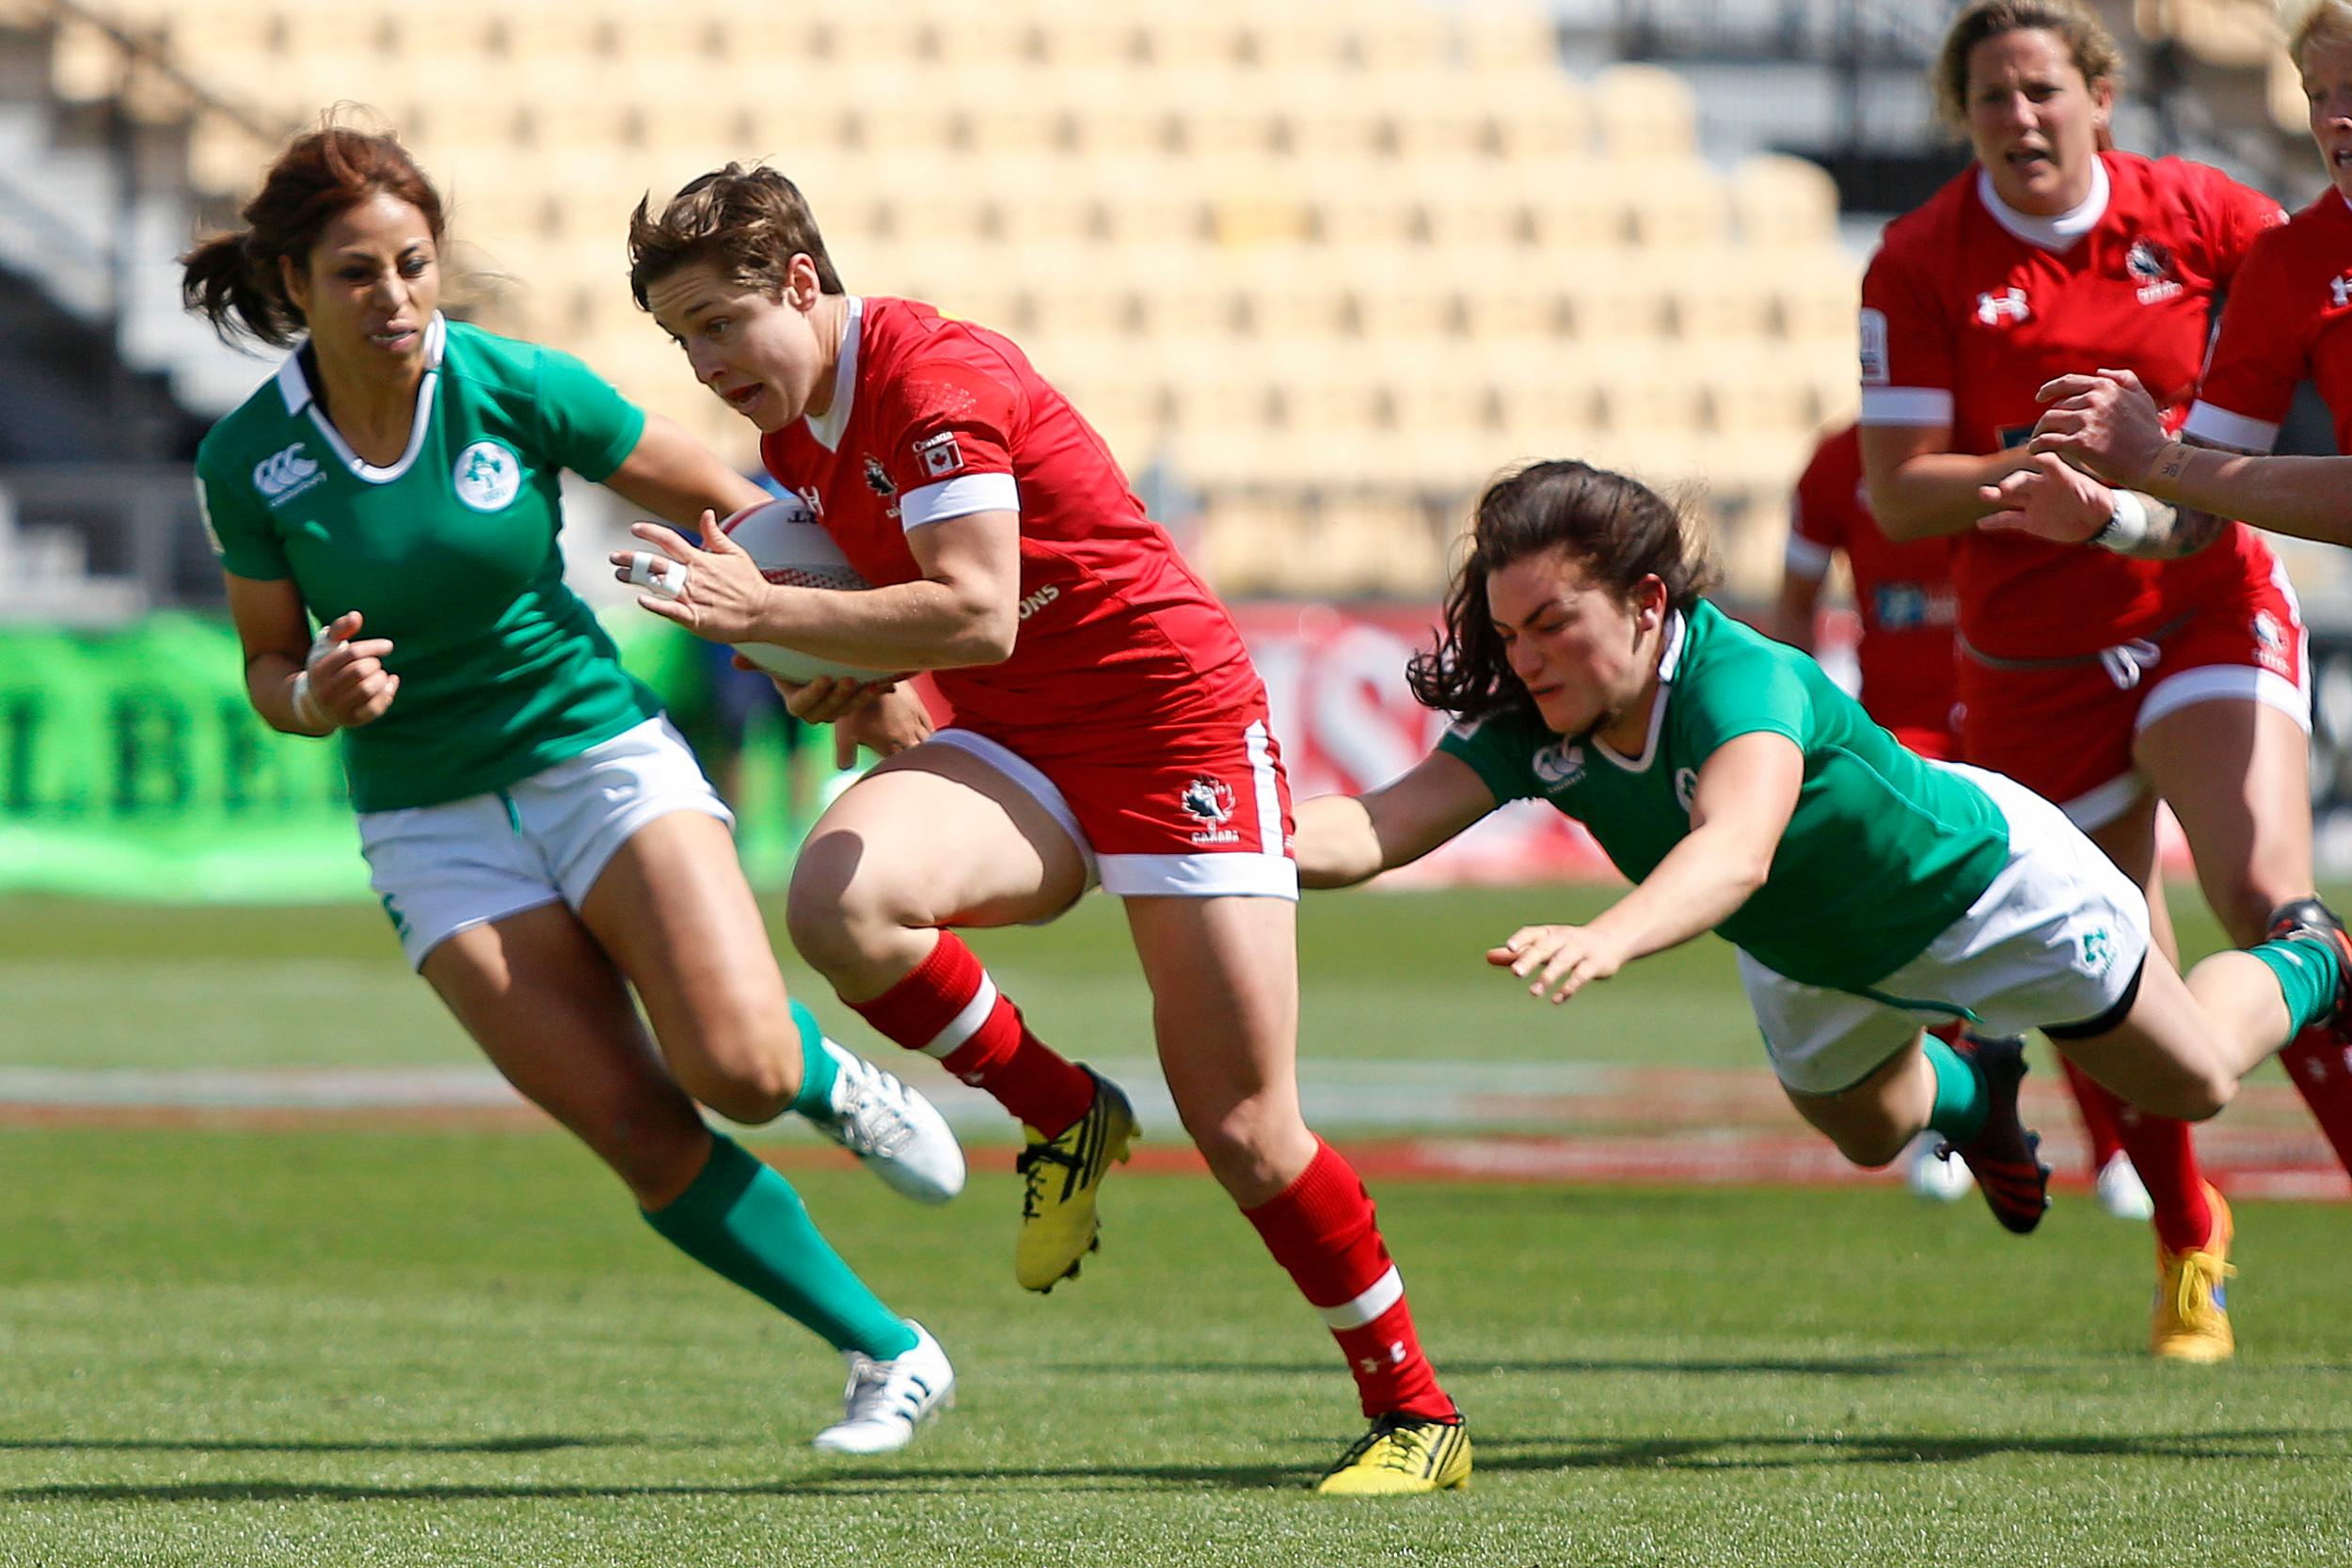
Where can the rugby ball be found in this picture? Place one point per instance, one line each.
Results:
(790, 546)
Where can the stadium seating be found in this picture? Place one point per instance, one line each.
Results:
(1334, 262)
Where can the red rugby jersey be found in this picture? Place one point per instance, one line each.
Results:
(1903, 593)
(2289, 316)
(1964, 317)
(935, 419)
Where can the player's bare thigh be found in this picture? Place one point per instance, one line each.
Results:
(546, 1006)
(934, 837)
(1872, 1121)
(2181, 1049)
(1224, 979)
(673, 909)
(2236, 773)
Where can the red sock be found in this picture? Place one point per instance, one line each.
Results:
(2167, 1164)
(1322, 1229)
(2320, 1063)
(949, 1008)
(2098, 1108)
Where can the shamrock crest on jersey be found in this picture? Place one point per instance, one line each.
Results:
(487, 476)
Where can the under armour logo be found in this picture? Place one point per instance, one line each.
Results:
(2009, 305)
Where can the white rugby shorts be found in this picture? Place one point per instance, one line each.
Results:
(441, 868)
(2055, 939)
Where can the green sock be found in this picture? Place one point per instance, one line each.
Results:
(818, 1070)
(2306, 969)
(1961, 1105)
(741, 1220)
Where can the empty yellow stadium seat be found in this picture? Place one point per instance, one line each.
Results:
(1645, 111)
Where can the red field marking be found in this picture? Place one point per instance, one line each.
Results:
(1636, 1126)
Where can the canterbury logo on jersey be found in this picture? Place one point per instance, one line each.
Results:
(2339, 290)
(1560, 765)
(283, 475)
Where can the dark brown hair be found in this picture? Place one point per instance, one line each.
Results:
(1618, 529)
(747, 223)
(234, 279)
(2087, 41)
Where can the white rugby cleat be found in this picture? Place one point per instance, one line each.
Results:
(900, 1135)
(886, 1401)
(1943, 1180)
(2121, 1190)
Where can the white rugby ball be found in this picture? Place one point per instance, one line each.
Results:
(790, 546)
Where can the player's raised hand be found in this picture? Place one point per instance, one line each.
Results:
(343, 683)
(1562, 958)
(714, 592)
(2106, 422)
(2052, 501)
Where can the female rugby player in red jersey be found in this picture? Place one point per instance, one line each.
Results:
(2105, 681)
(2285, 322)
(1108, 727)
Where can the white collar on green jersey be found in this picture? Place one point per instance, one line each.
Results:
(2053, 234)
(295, 387)
(1669, 662)
(829, 429)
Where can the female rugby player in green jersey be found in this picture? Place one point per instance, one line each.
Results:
(540, 837)
(1866, 889)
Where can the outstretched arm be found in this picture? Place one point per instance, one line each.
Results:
(672, 475)
(2309, 498)
(2108, 424)
(1746, 793)
(1344, 839)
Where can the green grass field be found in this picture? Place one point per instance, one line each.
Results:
(364, 1344)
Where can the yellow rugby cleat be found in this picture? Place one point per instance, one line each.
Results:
(1402, 1456)
(1061, 1176)
(2192, 1315)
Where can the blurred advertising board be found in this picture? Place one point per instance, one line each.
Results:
(130, 765)
(1335, 680)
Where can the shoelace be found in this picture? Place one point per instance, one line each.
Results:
(2194, 1280)
(876, 1121)
(1402, 1448)
(1035, 1164)
(871, 1395)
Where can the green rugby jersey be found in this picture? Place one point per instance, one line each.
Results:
(450, 552)
(1884, 850)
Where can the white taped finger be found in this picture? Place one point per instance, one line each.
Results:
(660, 573)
